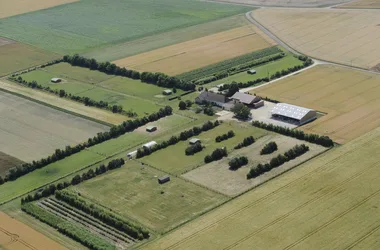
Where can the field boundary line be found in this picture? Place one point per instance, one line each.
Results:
(364, 237)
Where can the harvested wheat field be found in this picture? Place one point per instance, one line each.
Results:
(348, 37)
(193, 54)
(16, 7)
(362, 4)
(331, 202)
(16, 235)
(349, 97)
(286, 3)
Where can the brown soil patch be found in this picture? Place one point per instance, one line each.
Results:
(16, 7)
(4, 41)
(16, 235)
(7, 162)
(362, 4)
(190, 55)
(349, 37)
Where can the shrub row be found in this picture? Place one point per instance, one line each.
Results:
(115, 131)
(74, 231)
(246, 142)
(237, 162)
(216, 155)
(193, 149)
(49, 190)
(103, 215)
(158, 79)
(269, 148)
(300, 135)
(183, 136)
(225, 136)
(277, 161)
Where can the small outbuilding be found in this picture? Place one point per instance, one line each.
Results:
(150, 144)
(167, 92)
(56, 80)
(151, 128)
(163, 179)
(251, 71)
(258, 104)
(240, 97)
(194, 141)
(132, 154)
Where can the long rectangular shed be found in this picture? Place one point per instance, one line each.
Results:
(292, 113)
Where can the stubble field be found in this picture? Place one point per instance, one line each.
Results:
(349, 97)
(362, 4)
(331, 202)
(348, 37)
(197, 53)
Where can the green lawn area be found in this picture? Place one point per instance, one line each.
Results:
(87, 24)
(261, 71)
(47, 174)
(173, 159)
(133, 191)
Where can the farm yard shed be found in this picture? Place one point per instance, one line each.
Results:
(293, 114)
(251, 71)
(131, 154)
(150, 144)
(151, 128)
(244, 98)
(207, 96)
(163, 179)
(56, 80)
(167, 92)
(194, 141)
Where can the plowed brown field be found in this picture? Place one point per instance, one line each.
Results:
(349, 37)
(362, 4)
(190, 55)
(349, 97)
(16, 235)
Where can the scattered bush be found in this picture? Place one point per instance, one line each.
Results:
(182, 105)
(238, 162)
(225, 136)
(216, 155)
(193, 149)
(209, 111)
(269, 148)
(246, 142)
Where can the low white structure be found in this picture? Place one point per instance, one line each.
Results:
(194, 141)
(150, 144)
(132, 154)
(251, 71)
(293, 114)
(56, 80)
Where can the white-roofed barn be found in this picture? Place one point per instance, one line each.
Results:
(293, 114)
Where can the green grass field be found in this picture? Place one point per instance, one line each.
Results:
(88, 24)
(118, 51)
(173, 158)
(133, 191)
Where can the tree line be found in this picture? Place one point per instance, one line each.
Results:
(225, 136)
(114, 132)
(246, 142)
(183, 136)
(269, 148)
(300, 135)
(159, 79)
(216, 155)
(277, 161)
(238, 162)
(193, 149)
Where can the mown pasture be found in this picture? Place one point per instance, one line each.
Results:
(16, 56)
(324, 33)
(102, 23)
(187, 56)
(349, 97)
(174, 160)
(133, 191)
(219, 177)
(330, 202)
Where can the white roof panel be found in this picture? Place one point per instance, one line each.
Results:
(290, 111)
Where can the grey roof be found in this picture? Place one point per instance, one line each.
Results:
(211, 97)
(194, 140)
(290, 111)
(245, 98)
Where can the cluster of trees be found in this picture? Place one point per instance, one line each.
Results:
(300, 135)
(277, 161)
(237, 162)
(75, 232)
(193, 149)
(208, 110)
(246, 142)
(82, 99)
(115, 131)
(183, 136)
(185, 104)
(225, 136)
(216, 155)
(158, 79)
(103, 215)
(50, 190)
(269, 148)
(241, 111)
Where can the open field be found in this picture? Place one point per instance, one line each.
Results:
(7, 162)
(349, 97)
(122, 50)
(197, 53)
(331, 202)
(33, 131)
(104, 24)
(173, 159)
(219, 177)
(75, 107)
(361, 4)
(16, 235)
(285, 3)
(325, 33)
(16, 7)
(133, 191)
(17, 56)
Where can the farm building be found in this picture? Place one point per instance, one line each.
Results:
(194, 141)
(207, 96)
(251, 71)
(132, 154)
(244, 98)
(150, 144)
(56, 80)
(163, 179)
(151, 128)
(293, 114)
(258, 104)
(167, 92)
